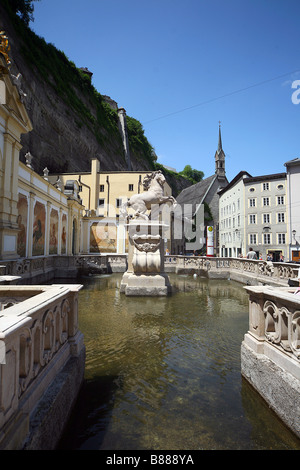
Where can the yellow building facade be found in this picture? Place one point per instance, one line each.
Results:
(102, 194)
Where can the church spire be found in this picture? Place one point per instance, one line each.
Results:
(220, 157)
(220, 139)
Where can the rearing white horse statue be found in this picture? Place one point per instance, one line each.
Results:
(154, 194)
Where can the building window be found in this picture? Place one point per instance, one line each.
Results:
(252, 190)
(280, 200)
(280, 186)
(118, 202)
(280, 217)
(101, 203)
(130, 187)
(252, 202)
(267, 238)
(252, 239)
(252, 219)
(266, 201)
(281, 238)
(101, 188)
(266, 218)
(266, 186)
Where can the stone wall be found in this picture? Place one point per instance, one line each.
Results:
(42, 358)
(270, 352)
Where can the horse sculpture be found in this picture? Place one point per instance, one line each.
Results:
(154, 194)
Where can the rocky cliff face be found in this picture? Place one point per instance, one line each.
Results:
(71, 121)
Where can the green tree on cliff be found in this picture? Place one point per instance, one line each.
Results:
(193, 175)
(23, 8)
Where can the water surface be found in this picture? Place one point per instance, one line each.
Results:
(164, 373)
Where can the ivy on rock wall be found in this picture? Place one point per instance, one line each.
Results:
(75, 89)
(59, 72)
(138, 141)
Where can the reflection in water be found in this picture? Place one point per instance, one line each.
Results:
(164, 373)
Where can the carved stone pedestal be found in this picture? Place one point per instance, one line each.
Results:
(145, 275)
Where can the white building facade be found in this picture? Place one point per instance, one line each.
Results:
(266, 217)
(253, 213)
(293, 207)
(232, 218)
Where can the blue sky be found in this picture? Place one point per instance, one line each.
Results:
(181, 66)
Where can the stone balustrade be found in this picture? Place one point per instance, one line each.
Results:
(270, 352)
(243, 270)
(39, 341)
(41, 269)
(45, 268)
(274, 317)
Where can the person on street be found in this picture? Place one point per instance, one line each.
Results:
(251, 254)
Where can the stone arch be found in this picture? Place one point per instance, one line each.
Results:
(295, 333)
(38, 237)
(271, 321)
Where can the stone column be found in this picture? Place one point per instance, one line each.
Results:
(59, 231)
(47, 228)
(95, 169)
(30, 223)
(9, 198)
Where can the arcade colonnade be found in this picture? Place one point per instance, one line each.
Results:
(48, 221)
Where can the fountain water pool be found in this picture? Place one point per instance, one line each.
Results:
(163, 373)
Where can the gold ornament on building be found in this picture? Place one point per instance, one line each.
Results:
(4, 50)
